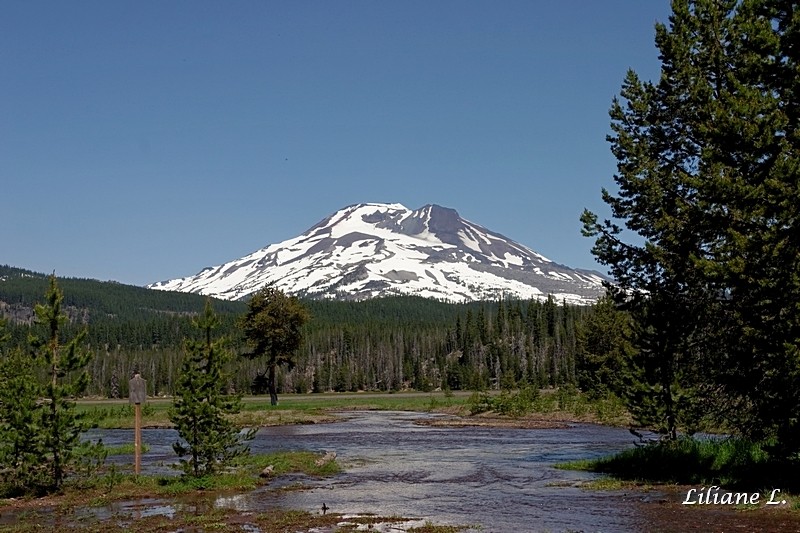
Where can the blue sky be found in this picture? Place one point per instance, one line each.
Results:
(143, 141)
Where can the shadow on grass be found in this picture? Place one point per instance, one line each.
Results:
(732, 463)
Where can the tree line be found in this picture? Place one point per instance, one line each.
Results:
(384, 344)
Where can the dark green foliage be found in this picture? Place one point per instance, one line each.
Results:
(106, 299)
(273, 329)
(39, 427)
(64, 363)
(117, 314)
(201, 404)
(604, 348)
(510, 403)
(707, 177)
(21, 443)
(128, 327)
(387, 344)
(651, 277)
(733, 463)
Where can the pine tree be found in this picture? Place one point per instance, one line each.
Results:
(707, 176)
(64, 364)
(273, 329)
(658, 157)
(201, 405)
(757, 257)
(603, 339)
(21, 445)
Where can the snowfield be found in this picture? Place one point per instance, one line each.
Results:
(370, 250)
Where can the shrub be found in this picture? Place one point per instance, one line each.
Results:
(510, 403)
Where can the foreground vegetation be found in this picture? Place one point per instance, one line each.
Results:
(241, 475)
(39, 426)
(563, 404)
(731, 463)
(170, 493)
(225, 520)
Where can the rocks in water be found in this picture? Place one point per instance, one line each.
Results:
(327, 458)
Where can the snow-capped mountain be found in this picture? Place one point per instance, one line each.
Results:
(369, 250)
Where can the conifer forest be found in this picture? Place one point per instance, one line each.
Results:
(386, 344)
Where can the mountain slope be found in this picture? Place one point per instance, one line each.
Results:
(96, 301)
(370, 250)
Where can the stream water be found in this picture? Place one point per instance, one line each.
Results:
(497, 478)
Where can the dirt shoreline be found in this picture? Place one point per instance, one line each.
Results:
(664, 512)
(658, 506)
(495, 422)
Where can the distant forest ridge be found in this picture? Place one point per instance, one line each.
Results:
(388, 343)
(25, 288)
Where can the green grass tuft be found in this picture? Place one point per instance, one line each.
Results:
(126, 449)
(284, 462)
(733, 463)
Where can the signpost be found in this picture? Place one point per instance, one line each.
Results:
(138, 394)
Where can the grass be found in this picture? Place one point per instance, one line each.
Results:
(285, 462)
(125, 449)
(292, 409)
(113, 414)
(732, 463)
(224, 521)
(609, 409)
(245, 475)
(612, 483)
(564, 404)
(115, 485)
(324, 403)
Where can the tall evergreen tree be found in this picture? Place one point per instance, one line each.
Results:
(708, 178)
(272, 326)
(201, 405)
(663, 178)
(64, 364)
(758, 254)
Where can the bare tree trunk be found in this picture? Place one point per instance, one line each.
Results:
(273, 392)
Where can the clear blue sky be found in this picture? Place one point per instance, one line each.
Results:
(142, 141)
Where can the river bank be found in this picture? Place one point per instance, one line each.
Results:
(444, 468)
(551, 408)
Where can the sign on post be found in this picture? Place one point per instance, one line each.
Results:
(138, 388)
(138, 395)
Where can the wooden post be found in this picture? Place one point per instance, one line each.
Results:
(137, 442)
(138, 394)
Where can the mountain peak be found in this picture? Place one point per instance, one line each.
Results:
(376, 249)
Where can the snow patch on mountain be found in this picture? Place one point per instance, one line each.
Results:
(370, 250)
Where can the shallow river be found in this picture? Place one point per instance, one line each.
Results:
(499, 479)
